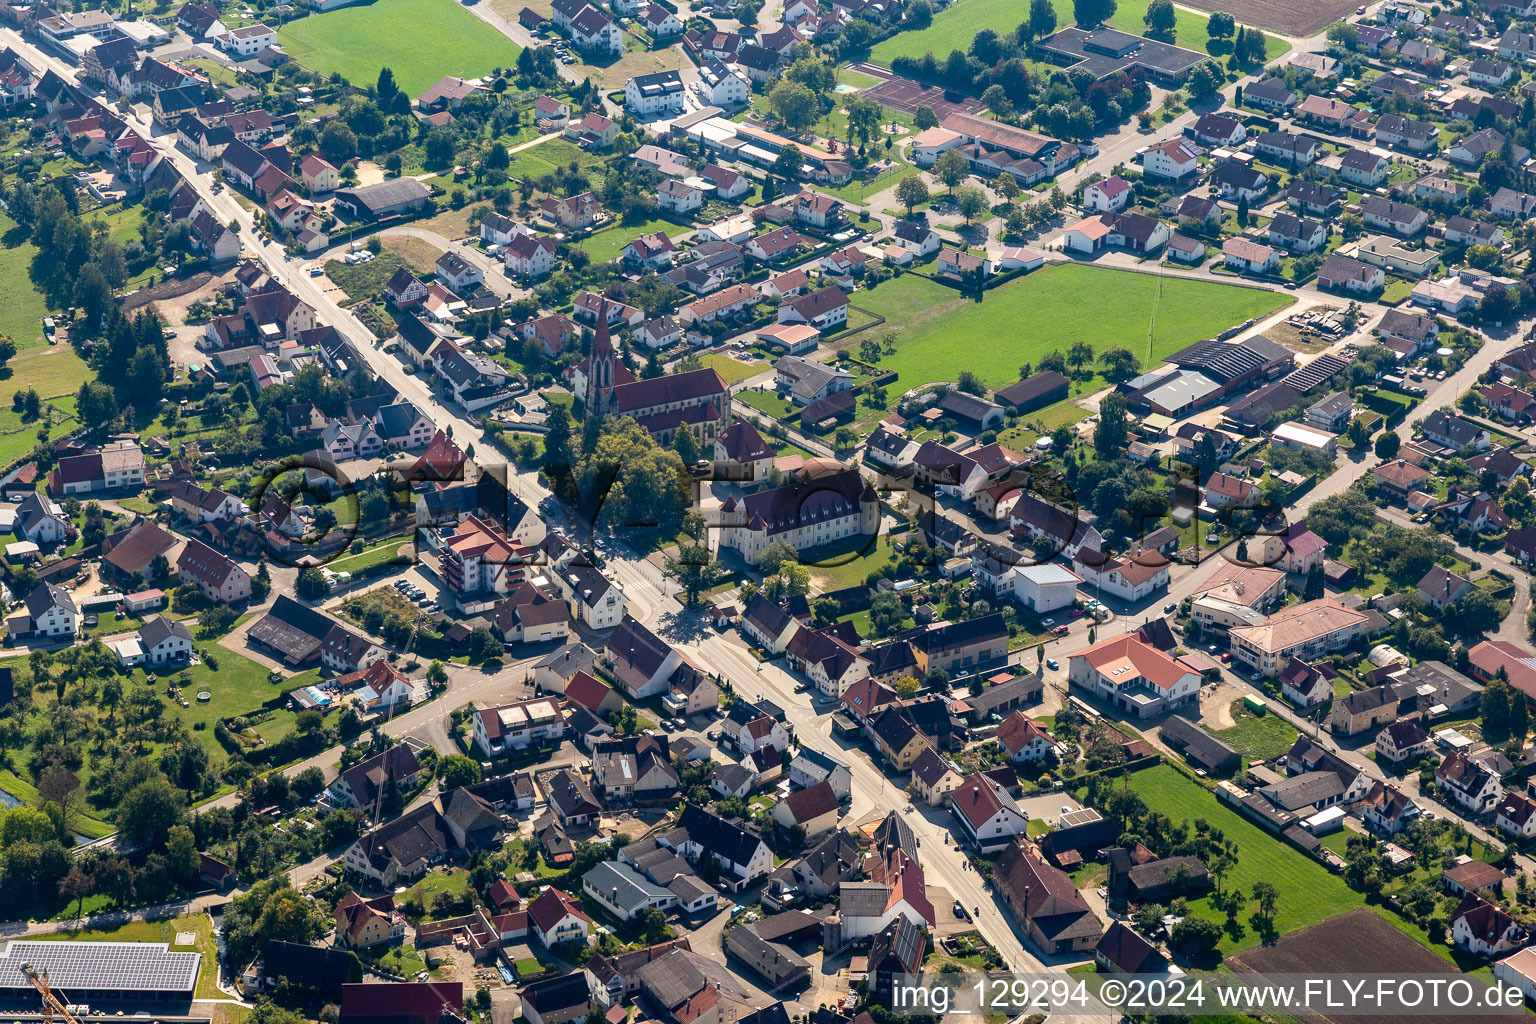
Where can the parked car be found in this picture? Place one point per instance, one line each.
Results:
(1059, 631)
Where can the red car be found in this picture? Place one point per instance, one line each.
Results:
(1077, 613)
(1226, 656)
(1059, 631)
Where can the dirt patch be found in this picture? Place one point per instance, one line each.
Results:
(1290, 17)
(1353, 944)
(1216, 705)
(450, 223)
(420, 254)
(1291, 337)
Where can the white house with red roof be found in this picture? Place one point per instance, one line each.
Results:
(1025, 739)
(1107, 196)
(555, 918)
(379, 686)
(988, 817)
(1516, 816)
(218, 577)
(508, 727)
(1131, 674)
(1171, 158)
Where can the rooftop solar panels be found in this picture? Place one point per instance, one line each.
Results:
(76, 968)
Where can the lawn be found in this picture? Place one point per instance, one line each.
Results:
(733, 370)
(1256, 737)
(835, 568)
(1044, 421)
(369, 557)
(1308, 892)
(1150, 315)
(419, 40)
(51, 370)
(606, 244)
(433, 884)
(955, 26)
(770, 402)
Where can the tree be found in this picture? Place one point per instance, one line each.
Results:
(1007, 186)
(951, 169)
(924, 117)
(1314, 586)
(885, 613)
(1220, 25)
(338, 142)
(456, 770)
(181, 854)
(972, 201)
(794, 104)
(1090, 14)
(1242, 211)
(95, 404)
(1120, 363)
(148, 811)
(76, 885)
(1042, 18)
(1079, 355)
(912, 192)
(1344, 35)
(1495, 708)
(1161, 19)
(1204, 79)
(788, 164)
(907, 687)
(1109, 435)
(1195, 936)
(1387, 445)
(1266, 895)
(386, 87)
(694, 572)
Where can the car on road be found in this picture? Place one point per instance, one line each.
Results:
(1059, 631)
(1052, 664)
(1169, 608)
(1226, 657)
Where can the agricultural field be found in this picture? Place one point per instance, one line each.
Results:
(954, 27)
(420, 40)
(1150, 315)
(1293, 17)
(1308, 892)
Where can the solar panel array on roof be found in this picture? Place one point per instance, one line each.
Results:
(1315, 374)
(78, 967)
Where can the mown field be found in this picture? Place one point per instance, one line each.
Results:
(420, 40)
(938, 333)
(955, 26)
(1308, 892)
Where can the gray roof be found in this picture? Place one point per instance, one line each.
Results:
(623, 885)
(1305, 789)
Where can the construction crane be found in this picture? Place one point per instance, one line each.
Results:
(51, 1004)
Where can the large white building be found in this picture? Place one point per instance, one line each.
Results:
(658, 93)
(1043, 588)
(1134, 676)
(1303, 631)
(508, 727)
(833, 509)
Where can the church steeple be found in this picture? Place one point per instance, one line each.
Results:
(600, 367)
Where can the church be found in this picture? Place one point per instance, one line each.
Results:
(698, 400)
